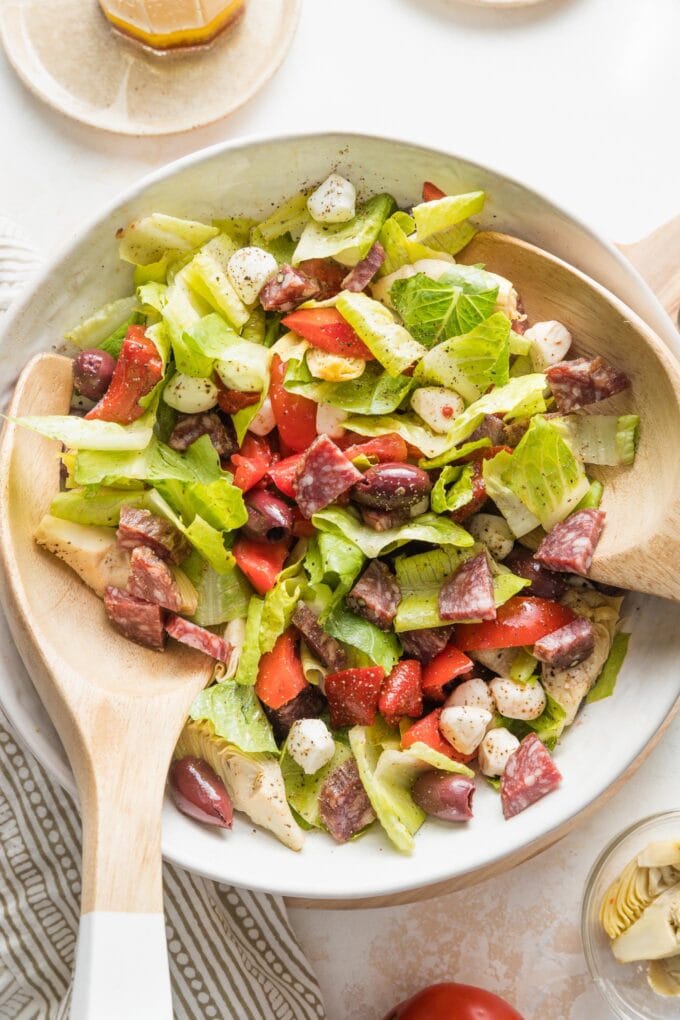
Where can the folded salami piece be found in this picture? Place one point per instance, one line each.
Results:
(529, 775)
(468, 595)
(191, 427)
(136, 619)
(567, 646)
(582, 381)
(376, 595)
(198, 637)
(362, 274)
(141, 527)
(287, 290)
(327, 649)
(570, 545)
(323, 475)
(152, 579)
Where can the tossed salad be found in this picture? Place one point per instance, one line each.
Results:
(347, 468)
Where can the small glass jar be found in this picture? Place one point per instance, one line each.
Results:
(624, 985)
(172, 24)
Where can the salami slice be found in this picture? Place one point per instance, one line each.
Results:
(582, 381)
(570, 546)
(141, 527)
(567, 646)
(468, 595)
(198, 637)
(152, 580)
(376, 595)
(529, 775)
(423, 645)
(491, 428)
(362, 274)
(326, 274)
(343, 803)
(324, 473)
(329, 651)
(191, 427)
(137, 620)
(310, 703)
(287, 290)
(545, 584)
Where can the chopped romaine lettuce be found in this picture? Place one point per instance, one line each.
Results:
(592, 498)
(523, 667)
(333, 560)
(453, 488)
(602, 438)
(440, 215)
(236, 716)
(456, 454)
(148, 240)
(544, 473)
(606, 682)
(97, 328)
(302, 791)
(401, 248)
(154, 464)
(100, 506)
(81, 434)
(288, 218)
(256, 326)
(207, 275)
(347, 243)
(471, 363)
(246, 672)
(221, 597)
(409, 426)
(436, 310)
(237, 228)
(374, 392)
(520, 520)
(381, 647)
(427, 527)
(280, 603)
(391, 344)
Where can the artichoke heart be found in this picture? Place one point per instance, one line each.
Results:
(664, 976)
(656, 933)
(254, 781)
(651, 873)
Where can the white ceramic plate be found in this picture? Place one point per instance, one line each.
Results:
(249, 178)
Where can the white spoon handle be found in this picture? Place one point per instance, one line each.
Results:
(121, 968)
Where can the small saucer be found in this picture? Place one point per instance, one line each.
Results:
(70, 56)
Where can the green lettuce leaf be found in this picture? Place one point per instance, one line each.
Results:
(520, 520)
(453, 488)
(606, 682)
(471, 363)
(156, 463)
(236, 715)
(391, 344)
(347, 243)
(602, 438)
(221, 597)
(302, 791)
(440, 215)
(151, 238)
(100, 506)
(280, 603)
(592, 498)
(256, 326)
(409, 426)
(436, 310)
(250, 654)
(81, 434)
(334, 561)
(381, 647)
(544, 473)
(401, 247)
(548, 727)
(455, 454)
(290, 217)
(397, 812)
(427, 527)
(98, 328)
(207, 275)
(523, 667)
(237, 228)
(374, 392)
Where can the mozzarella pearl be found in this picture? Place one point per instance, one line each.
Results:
(473, 693)
(494, 532)
(310, 744)
(550, 343)
(518, 701)
(494, 751)
(437, 406)
(190, 395)
(464, 726)
(249, 269)
(334, 201)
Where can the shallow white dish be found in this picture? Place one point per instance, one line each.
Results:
(248, 178)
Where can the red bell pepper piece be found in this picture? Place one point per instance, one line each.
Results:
(426, 731)
(326, 329)
(388, 448)
(520, 621)
(231, 401)
(431, 192)
(138, 369)
(280, 677)
(295, 416)
(284, 472)
(401, 693)
(449, 664)
(261, 562)
(302, 528)
(252, 463)
(353, 695)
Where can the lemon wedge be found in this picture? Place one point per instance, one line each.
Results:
(169, 24)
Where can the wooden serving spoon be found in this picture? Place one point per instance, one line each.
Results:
(118, 709)
(640, 545)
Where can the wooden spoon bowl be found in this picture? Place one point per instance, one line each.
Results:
(118, 709)
(640, 545)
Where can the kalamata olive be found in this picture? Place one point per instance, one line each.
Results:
(269, 517)
(92, 372)
(200, 793)
(392, 486)
(444, 795)
(545, 584)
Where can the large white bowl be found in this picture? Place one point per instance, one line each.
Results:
(248, 178)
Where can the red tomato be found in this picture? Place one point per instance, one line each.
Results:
(390, 447)
(401, 693)
(446, 666)
(261, 562)
(520, 621)
(231, 401)
(432, 192)
(327, 274)
(451, 1001)
(283, 474)
(138, 369)
(295, 416)
(280, 677)
(325, 328)
(252, 463)
(426, 731)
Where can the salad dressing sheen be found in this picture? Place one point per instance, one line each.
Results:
(168, 24)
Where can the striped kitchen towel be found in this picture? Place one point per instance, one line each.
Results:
(233, 954)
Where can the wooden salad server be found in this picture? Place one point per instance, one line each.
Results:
(640, 545)
(118, 709)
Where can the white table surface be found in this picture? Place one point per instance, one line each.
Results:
(579, 99)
